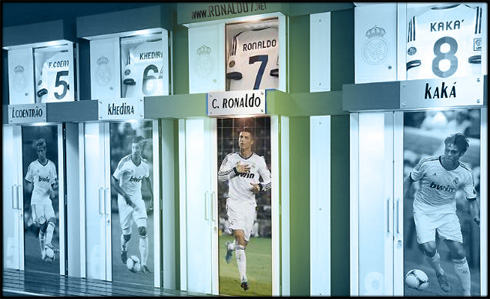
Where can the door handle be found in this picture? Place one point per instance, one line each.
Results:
(398, 216)
(388, 215)
(107, 202)
(215, 208)
(206, 209)
(14, 199)
(101, 201)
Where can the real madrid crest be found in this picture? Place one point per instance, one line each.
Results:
(103, 71)
(203, 64)
(375, 50)
(19, 78)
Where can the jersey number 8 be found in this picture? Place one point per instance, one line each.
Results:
(449, 55)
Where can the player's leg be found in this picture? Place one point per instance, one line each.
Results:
(126, 221)
(140, 217)
(49, 213)
(426, 226)
(461, 267)
(451, 231)
(40, 222)
(241, 258)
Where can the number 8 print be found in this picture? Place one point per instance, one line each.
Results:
(449, 55)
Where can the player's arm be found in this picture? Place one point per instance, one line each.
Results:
(265, 174)
(28, 180)
(115, 185)
(474, 209)
(228, 171)
(147, 182)
(407, 185)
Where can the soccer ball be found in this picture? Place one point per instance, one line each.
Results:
(133, 264)
(49, 255)
(417, 279)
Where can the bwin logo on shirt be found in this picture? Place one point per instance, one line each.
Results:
(443, 188)
(247, 175)
(135, 180)
(44, 179)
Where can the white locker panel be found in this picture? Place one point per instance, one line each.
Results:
(320, 138)
(207, 58)
(21, 76)
(375, 42)
(105, 68)
(320, 66)
(13, 221)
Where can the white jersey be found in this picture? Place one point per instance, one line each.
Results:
(130, 176)
(42, 176)
(53, 86)
(143, 76)
(254, 60)
(445, 42)
(438, 186)
(240, 187)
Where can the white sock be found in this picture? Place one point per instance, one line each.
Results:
(463, 272)
(144, 249)
(435, 262)
(49, 233)
(241, 260)
(232, 245)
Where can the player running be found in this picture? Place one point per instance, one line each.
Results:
(243, 170)
(435, 207)
(127, 179)
(42, 181)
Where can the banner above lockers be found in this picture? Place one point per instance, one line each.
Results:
(124, 21)
(194, 12)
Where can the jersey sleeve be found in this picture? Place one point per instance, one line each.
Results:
(147, 170)
(42, 84)
(54, 175)
(226, 170)
(469, 186)
(233, 67)
(29, 175)
(419, 170)
(120, 169)
(265, 174)
(413, 53)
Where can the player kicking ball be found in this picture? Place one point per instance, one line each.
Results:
(127, 179)
(42, 181)
(434, 207)
(243, 170)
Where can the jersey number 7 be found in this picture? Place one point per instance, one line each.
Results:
(263, 59)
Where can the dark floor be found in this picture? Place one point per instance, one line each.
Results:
(32, 283)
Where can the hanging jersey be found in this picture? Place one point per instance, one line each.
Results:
(130, 176)
(53, 86)
(438, 186)
(445, 42)
(41, 176)
(254, 60)
(143, 76)
(240, 187)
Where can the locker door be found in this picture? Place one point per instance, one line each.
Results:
(97, 204)
(372, 203)
(43, 213)
(13, 223)
(198, 196)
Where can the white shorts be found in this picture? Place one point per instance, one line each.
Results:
(241, 215)
(447, 225)
(42, 212)
(127, 214)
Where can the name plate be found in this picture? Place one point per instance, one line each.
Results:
(229, 103)
(28, 113)
(434, 93)
(121, 109)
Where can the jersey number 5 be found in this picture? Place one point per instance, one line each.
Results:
(62, 83)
